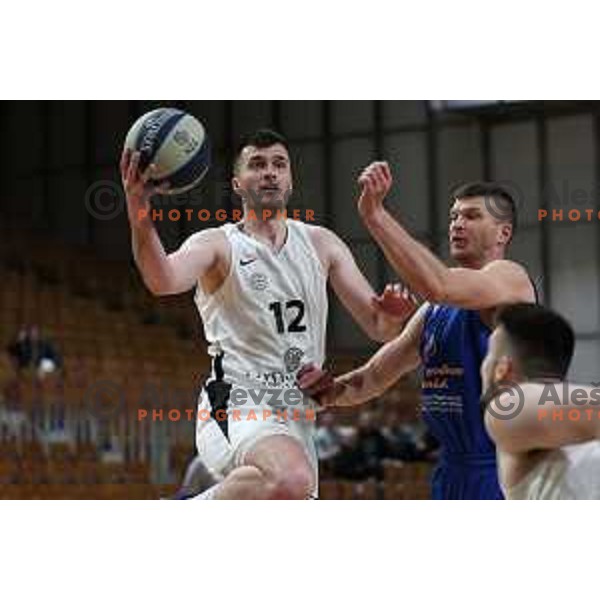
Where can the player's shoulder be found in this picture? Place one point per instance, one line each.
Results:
(506, 265)
(321, 235)
(213, 236)
(310, 227)
(513, 275)
(330, 247)
(508, 271)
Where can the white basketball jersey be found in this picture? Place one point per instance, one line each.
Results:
(571, 472)
(269, 316)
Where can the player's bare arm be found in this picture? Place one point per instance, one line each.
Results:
(380, 317)
(386, 367)
(499, 282)
(533, 428)
(203, 255)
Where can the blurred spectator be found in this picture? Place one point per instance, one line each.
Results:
(327, 439)
(403, 441)
(328, 443)
(11, 394)
(428, 446)
(78, 373)
(347, 463)
(371, 445)
(31, 350)
(346, 452)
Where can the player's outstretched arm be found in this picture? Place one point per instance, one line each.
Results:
(500, 282)
(392, 360)
(552, 415)
(380, 317)
(164, 274)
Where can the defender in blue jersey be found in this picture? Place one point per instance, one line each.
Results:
(447, 336)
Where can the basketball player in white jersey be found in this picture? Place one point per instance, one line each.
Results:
(261, 293)
(549, 448)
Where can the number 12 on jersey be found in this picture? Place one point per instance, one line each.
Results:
(296, 308)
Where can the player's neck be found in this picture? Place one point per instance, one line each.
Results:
(271, 231)
(478, 262)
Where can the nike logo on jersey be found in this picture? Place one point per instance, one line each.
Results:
(244, 263)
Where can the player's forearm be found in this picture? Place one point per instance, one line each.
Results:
(423, 272)
(386, 327)
(150, 257)
(371, 380)
(356, 387)
(378, 326)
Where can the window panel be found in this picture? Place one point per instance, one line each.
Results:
(350, 157)
(459, 161)
(309, 179)
(409, 198)
(110, 123)
(571, 158)
(249, 115)
(574, 274)
(585, 367)
(24, 129)
(301, 118)
(110, 233)
(68, 205)
(514, 163)
(400, 113)
(352, 116)
(66, 134)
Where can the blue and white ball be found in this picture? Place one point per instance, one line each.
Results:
(176, 143)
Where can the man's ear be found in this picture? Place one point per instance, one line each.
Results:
(503, 370)
(237, 187)
(505, 233)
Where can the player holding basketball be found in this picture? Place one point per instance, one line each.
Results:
(261, 293)
(447, 336)
(546, 430)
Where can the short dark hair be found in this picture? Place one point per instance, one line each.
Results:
(506, 209)
(261, 138)
(542, 339)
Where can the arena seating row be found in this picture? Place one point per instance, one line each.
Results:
(373, 490)
(329, 490)
(84, 491)
(88, 283)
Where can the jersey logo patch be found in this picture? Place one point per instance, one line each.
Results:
(292, 359)
(245, 263)
(259, 282)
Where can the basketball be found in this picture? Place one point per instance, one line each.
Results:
(176, 143)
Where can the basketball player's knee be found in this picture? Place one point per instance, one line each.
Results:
(295, 483)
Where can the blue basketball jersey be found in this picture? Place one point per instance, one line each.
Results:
(453, 346)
